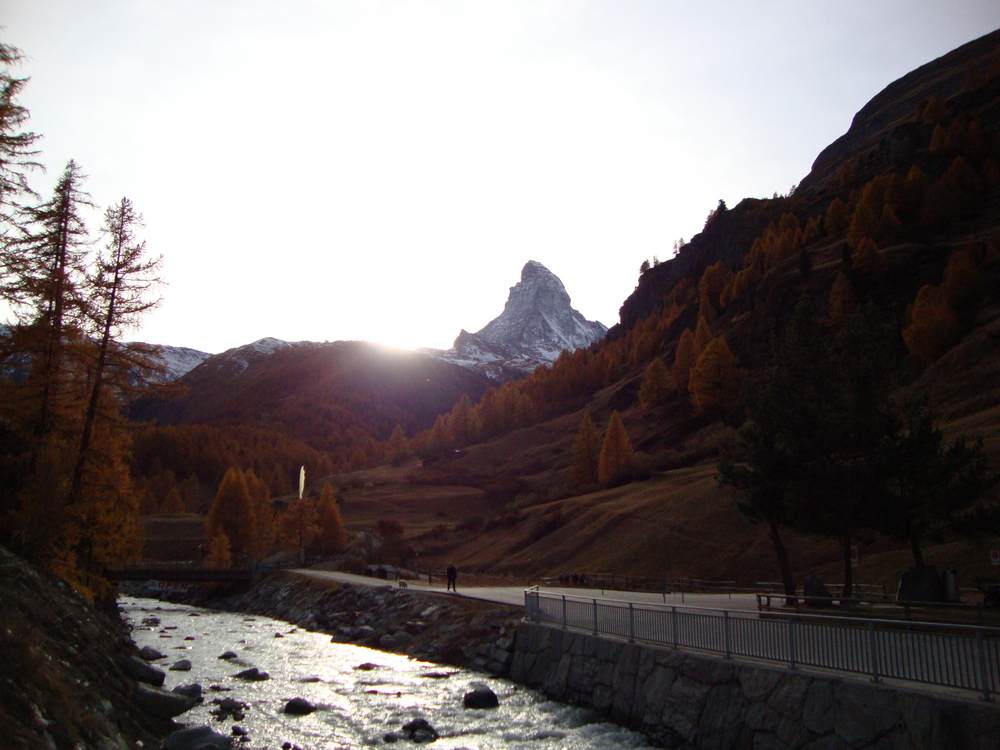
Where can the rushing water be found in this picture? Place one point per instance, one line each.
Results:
(356, 707)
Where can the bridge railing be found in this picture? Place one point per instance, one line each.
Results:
(956, 656)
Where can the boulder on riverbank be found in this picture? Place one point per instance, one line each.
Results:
(449, 630)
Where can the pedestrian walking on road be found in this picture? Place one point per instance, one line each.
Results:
(452, 574)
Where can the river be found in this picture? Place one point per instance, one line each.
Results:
(356, 707)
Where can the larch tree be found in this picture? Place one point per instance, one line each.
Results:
(835, 220)
(17, 146)
(841, 302)
(332, 534)
(264, 523)
(615, 450)
(702, 337)
(218, 554)
(119, 294)
(232, 513)
(934, 324)
(714, 382)
(298, 527)
(684, 359)
(45, 288)
(586, 452)
(656, 386)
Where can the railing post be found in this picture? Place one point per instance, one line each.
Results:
(564, 611)
(983, 668)
(595, 616)
(675, 626)
(631, 623)
(725, 627)
(791, 643)
(873, 647)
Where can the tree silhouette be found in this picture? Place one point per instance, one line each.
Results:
(232, 513)
(586, 452)
(684, 360)
(714, 382)
(615, 450)
(298, 527)
(656, 386)
(332, 534)
(934, 324)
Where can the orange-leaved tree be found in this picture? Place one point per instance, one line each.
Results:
(298, 527)
(715, 379)
(586, 452)
(616, 449)
(656, 386)
(934, 324)
(332, 534)
(684, 360)
(232, 513)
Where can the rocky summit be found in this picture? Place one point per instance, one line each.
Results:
(536, 325)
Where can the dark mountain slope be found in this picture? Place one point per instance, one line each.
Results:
(320, 393)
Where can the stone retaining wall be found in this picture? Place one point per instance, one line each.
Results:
(682, 700)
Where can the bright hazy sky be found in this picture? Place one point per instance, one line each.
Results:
(381, 170)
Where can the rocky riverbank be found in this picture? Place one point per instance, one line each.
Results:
(67, 669)
(434, 627)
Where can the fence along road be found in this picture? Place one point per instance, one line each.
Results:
(953, 656)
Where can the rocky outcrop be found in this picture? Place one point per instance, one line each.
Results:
(65, 678)
(681, 700)
(445, 629)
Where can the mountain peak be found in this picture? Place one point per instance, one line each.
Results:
(536, 325)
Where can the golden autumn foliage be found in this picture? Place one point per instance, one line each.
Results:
(702, 337)
(684, 360)
(868, 259)
(835, 221)
(657, 385)
(934, 324)
(299, 527)
(864, 223)
(615, 450)
(715, 379)
(232, 514)
(586, 452)
(332, 536)
(219, 555)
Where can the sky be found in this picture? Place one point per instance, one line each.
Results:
(328, 170)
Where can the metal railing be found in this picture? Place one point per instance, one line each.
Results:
(956, 656)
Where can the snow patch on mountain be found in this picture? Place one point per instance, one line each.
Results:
(177, 361)
(537, 324)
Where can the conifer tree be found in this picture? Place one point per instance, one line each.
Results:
(656, 386)
(714, 382)
(933, 326)
(835, 221)
(398, 444)
(219, 555)
(332, 534)
(460, 422)
(17, 146)
(232, 513)
(864, 223)
(841, 302)
(298, 527)
(868, 258)
(963, 279)
(684, 360)
(264, 524)
(702, 337)
(118, 292)
(615, 450)
(44, 287)
(586, 452)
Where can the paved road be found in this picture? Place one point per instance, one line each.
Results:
(514, 595)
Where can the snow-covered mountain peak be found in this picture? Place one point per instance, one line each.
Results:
(536, 325)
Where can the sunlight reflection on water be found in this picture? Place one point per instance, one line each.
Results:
(356, 707)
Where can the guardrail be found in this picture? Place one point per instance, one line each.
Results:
(956, 656)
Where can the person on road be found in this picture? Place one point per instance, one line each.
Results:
(452, 574)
